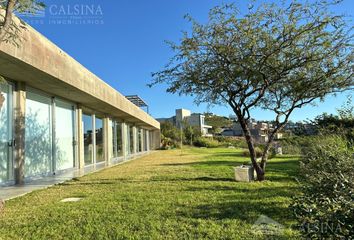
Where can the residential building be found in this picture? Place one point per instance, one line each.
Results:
(184, 116)
(57, 116)
(259, 130)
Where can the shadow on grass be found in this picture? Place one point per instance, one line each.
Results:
(245, 205)
(243, 210)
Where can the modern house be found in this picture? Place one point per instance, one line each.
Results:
(57, 116)
(259, 130)
(184, 116)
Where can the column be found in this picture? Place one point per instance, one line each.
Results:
(107, 140)
(124, 139)
(20, 117)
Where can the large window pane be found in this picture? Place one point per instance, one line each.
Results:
(38, 146)
(146, 140)
(131, 140)
(127, 138)
(99, 140)
(64, 135)
(6, 133)
(117, 139)
(139, 140)
(88, 147)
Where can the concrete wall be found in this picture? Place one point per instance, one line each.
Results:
(41, 64)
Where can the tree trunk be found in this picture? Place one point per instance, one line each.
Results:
(250, 144)
(266, 152)
(268, 145)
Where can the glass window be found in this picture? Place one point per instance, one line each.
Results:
(145, 140)
(139, 140)
(38, 135)
(126, 138)
(6, 168)
(99, 140)
(131, 140)
(114, 138)
(88, 147)
(119, 139)
(64, 134)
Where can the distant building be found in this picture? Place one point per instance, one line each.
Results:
(259, 130)
(192, 119)
(300, 128)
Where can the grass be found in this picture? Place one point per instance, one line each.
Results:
(173, 194)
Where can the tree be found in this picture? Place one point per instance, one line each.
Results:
(9, 30)
(277, 57)
(191, 133)
(342, 123)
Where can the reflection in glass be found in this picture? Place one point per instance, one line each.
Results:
(64, 134)
(145, 140)
(88, 147)
(139, 140)
(117, 139)
(38, 145)
(6, 133)
(131, 140)
(99, 140)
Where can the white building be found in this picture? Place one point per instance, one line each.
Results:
(184, 116)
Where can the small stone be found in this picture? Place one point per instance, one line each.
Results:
(73, 199)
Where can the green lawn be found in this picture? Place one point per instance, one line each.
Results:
(173, 194)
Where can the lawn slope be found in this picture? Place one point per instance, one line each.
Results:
(188, 194)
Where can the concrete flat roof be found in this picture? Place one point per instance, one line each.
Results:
(43, 65)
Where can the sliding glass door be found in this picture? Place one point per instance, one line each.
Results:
(117, 139)
(64, 135)
(88, 138)
(99, 139)
(6, 142)
(38, 135)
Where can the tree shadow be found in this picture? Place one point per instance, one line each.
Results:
(235, 206)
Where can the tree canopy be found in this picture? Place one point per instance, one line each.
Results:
(278, 57)
(8, 29)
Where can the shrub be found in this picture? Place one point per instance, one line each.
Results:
(325, 210)
(206, 142)
(238, 142)
(258, 150)
(295, 145)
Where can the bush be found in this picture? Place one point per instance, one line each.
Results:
(295, 145)
(206, 142)
(325, 210)
(238, 142)
(168, 143)
(258, 150)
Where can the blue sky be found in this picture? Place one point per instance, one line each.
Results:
(124, 44)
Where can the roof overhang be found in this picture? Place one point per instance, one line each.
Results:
(43, 65)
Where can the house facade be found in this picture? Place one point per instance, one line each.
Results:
(184, 116)
(259, 130)
(57, 116)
